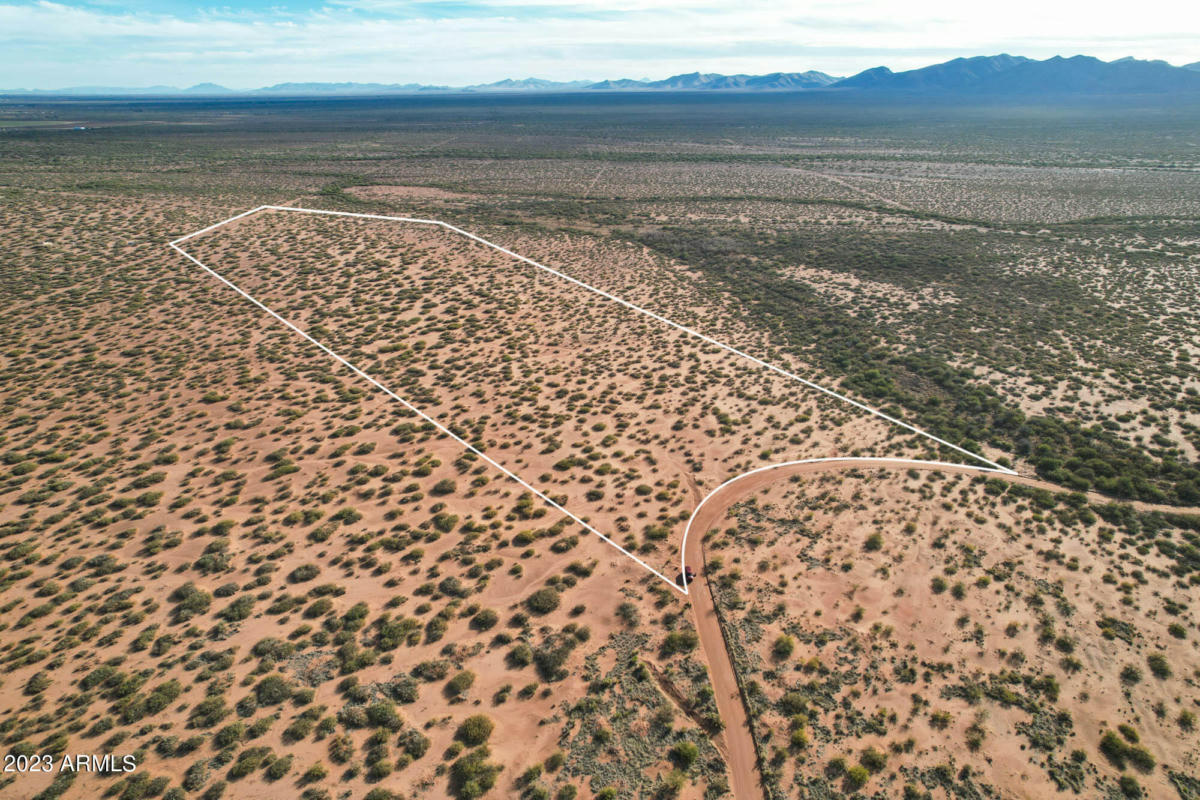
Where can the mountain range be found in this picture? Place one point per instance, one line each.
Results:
(999, 75)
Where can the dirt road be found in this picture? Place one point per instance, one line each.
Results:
(739, 744)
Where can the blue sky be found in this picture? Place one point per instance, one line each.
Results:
(53, 44)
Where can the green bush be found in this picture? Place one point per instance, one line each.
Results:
(304, 572)
(874, 760)
(472, 775)
(1130, 675)
(460, 683)
(543, 601)
(679, 642)
(272, 690)
(684, 754)
(474, 730)
(784, 647)
(485, 620)
(1158, 665)
(1129, 787)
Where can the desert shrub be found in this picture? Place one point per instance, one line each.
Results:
(445, 522)
(272, 690)
(208, 712)
(784, 647)
(475, 730)
(460, 683)
(543, 601)
(874, 760)
(304, 572)
(1158, 665)
(414, 743)
(975, 734)
(278, 768)
(1129, 787)
(684, 754)
(318, 608)
(521, 655)
(435, 628)
(404, 689)
(857, 777)
(431, 670)
(1118, 752)
(189, 602)
(379, 793)
(793, 703)
(341, 749)
(679, 642)
(472, 775)
(1130, 675)
(383, 715)
(38, 682)
(552, 654)
(300, 728)
(315, 773)
(238, 610)
(229, 735)
(485, 620)
(248, 761)
(196, 776)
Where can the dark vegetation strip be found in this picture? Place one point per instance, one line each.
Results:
(948, 401)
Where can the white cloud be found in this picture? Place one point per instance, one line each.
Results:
(48, 44)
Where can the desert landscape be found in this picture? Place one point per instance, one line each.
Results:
(231, 558)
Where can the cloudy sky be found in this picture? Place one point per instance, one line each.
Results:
(46, 44)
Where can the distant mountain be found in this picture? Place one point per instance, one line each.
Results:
(955, 75)
(1131, 58)
(528, 85)
(791, 80)
(983, 76)
(694, 81)
(1014, 75)
(346, 88)
(1087, 75)
(107, 90)
(619, 84)
(209, 89)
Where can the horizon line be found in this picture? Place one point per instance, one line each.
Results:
(493, 87)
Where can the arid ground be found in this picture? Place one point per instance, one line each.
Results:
(228, 556)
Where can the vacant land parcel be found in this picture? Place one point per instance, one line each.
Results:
(623, 420)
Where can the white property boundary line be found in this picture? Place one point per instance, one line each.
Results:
(174, 244)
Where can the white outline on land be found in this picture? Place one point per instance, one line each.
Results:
(174, 244)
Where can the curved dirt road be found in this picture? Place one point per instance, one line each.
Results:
(739, 745)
